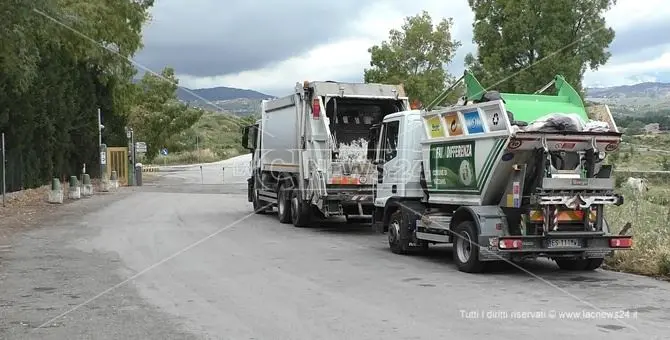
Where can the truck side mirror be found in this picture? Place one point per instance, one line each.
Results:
(245, 137)
(249, 137)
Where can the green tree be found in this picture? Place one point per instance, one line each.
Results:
(61, 60)
(158, 116)
(415, 56)
(523, 44)
(635, 127)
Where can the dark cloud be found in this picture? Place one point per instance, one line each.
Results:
(639, 38)
(214, 37)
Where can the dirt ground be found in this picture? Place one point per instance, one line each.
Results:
(29, 208)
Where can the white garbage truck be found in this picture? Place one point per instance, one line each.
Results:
(501, 176)
(309, 150)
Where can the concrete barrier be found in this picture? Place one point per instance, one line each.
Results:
(74, 191)
(114, 180)
(86, 186)
(56, 192)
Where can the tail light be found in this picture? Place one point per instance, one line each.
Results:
(621, 242)
(509, 243)
(316, 109)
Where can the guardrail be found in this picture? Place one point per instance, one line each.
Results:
(150, 169)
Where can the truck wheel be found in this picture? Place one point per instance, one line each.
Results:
(301, 213)
(283, 205)
(466, 249)
(398, 233)
(260, 207)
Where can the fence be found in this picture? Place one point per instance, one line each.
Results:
(117, 159)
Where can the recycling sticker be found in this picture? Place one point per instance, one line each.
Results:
(452, 166)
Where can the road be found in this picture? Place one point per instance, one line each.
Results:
(183, 258)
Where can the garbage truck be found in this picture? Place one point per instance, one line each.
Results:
(309, 150)
(501, 177)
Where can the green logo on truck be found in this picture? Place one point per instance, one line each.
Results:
(452, 166)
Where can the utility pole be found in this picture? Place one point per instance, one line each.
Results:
(101, 148)
(4, 169)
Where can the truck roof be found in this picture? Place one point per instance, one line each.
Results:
(403, 113)
(371, 90)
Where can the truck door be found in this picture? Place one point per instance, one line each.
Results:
(388, 163)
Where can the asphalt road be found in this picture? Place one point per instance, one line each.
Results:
(183, 258)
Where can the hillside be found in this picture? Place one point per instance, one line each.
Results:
(649, 96)
(240, 102)
(220, 93)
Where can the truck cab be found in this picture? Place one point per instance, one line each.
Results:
(397, 156)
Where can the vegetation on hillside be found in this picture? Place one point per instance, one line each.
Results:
(213, 137)
(157, 115)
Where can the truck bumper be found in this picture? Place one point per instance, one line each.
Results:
(494, 248)
(350, 200)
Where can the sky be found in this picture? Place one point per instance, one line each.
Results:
(269, 45)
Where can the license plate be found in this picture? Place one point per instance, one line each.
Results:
(565, 243)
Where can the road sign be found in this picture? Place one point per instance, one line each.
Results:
(164, 151)
(140, 147)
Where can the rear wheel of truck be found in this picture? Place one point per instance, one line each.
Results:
(301, 213)
(465, 248)
(283, 204)
(398, 233)
(580, 264)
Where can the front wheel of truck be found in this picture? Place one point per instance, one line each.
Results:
(466, 249)
(579, 264)
(398, 233)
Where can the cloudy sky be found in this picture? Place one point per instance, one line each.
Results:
(268, 45)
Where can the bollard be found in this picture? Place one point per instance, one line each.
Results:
(223, 175)
(56, 193)
(138, 174)
(114, 179)
(74, 191)
(86, 186)
(104, 183)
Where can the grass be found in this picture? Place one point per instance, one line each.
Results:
(214, 137)
(192, 157)
(649, 214)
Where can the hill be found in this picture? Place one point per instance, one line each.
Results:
(240, 102)
(220, 93)
(648, 96)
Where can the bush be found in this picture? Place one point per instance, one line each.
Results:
(188, 157)
(650, 229)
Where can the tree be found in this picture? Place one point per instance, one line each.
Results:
(530, 41)
(636, 127)
(416, 56)
(157, 115)
(59, 62)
